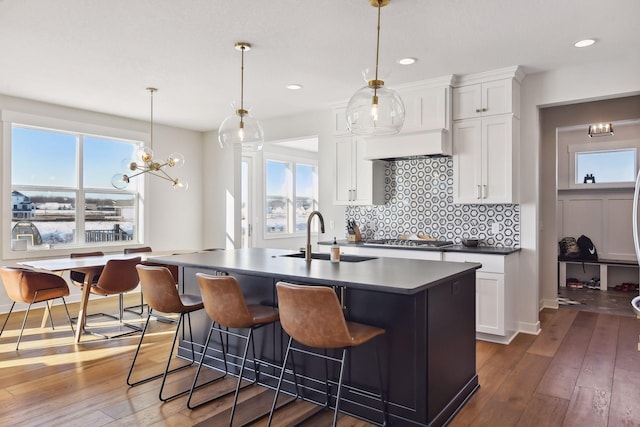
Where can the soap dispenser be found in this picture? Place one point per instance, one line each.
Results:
(335, 251)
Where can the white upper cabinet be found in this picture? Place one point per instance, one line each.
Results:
(487, 94)
(486, 137)
(340, 121)
(357, 181)
(427, 107)
(485, 152)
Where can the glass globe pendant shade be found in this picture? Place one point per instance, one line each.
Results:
(375, 110)
(144, 154)
(175, 160)
(179, 185)
(241, 131)
(120, 181)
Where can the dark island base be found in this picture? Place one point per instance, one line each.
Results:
(428, 353)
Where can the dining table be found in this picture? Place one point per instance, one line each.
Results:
(90, 266)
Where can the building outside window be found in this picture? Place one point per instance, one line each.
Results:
(61, 189)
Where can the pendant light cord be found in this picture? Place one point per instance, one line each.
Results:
(151, 90)
(378, 40)
(242, 84)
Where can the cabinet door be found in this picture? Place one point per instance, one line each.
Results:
(497, 97)
(467, 102)
(343, 173)
(362, 172)
(467, 171)
(490, 303)
(497, 160)
(340, 121)
(426, 109)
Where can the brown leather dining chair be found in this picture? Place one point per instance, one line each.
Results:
(312, 316)
(134, 308)
(117, 277)
(78, 277)
(225, 304)
(162, 295)
(30, 287)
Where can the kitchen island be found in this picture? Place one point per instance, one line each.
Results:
(427, 309)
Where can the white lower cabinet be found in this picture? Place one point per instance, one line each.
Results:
(495, 294)
(490, 303)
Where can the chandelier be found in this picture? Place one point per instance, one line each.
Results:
(375, 109)
(241, 129)
(145, 163)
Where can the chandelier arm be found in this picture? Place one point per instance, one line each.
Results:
(164, 176)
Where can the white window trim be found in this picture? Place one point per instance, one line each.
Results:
(90, 129)
(278, 154)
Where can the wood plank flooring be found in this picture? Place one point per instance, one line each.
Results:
(583, 369)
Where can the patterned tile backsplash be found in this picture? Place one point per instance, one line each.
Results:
(419, 199)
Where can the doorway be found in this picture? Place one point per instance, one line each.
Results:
(246, 201)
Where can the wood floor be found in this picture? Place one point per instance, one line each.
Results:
(583, 370)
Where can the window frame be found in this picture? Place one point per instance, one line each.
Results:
(81, 129)
(292, 162)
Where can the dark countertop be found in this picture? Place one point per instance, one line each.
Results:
(489, 250)
(395, 275)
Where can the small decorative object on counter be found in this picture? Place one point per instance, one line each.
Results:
(353, 231)
(335, 251)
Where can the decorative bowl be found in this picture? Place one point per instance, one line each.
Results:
(470, 243)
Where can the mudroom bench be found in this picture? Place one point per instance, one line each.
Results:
(604, 265)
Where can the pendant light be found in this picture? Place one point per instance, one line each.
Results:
(241, 129)
(375, 109)
(145, 162)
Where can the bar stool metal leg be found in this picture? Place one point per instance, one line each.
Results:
(167, 371)
(194, 386)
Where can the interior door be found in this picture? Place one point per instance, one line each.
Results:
(246, 200)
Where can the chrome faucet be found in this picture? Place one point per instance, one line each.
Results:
(307, 254)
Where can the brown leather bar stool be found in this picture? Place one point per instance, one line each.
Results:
(226, 306)
(132, 308)
(162, 295)
(30, 287)
(312, 316)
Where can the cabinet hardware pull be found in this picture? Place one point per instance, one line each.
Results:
(477, 191)
(484, 109)
(343, 297)
(478, 110)
(484, 191)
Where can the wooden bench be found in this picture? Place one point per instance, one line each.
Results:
(603, 263)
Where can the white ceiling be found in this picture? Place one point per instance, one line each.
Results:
(101, 55)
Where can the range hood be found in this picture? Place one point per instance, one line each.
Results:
(417, 145)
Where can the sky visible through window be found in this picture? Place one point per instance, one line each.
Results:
(43, 157)
(606, 166)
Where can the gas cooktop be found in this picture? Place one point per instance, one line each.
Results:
(409, 243)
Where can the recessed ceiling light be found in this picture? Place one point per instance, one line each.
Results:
(406, 61)
(294, 86)
(584, 43)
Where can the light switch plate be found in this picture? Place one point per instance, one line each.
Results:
(495, 228)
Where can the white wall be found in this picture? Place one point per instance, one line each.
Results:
(537, 287)
(173, 220)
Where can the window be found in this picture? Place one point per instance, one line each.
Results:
(61, 190)
(611, 166)
(291, 195)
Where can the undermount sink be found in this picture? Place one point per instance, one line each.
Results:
(326, 257)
